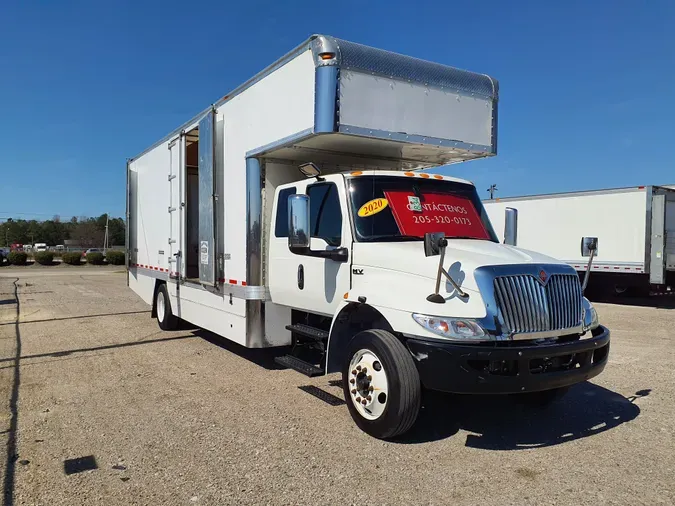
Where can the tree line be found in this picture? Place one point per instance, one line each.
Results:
(86, 232)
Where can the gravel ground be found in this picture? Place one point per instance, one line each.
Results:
(185, 418)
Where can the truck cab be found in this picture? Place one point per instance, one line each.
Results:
(353, 254)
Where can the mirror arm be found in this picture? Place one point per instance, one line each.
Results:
(460, 292)
(436, 296)
(588, 271)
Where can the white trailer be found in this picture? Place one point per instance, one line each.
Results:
(635, 227)
(287, 214)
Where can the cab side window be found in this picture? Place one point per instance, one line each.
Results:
(325, 213)
(281, 222)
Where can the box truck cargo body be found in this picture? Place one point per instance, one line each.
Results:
(635, 227)
(292, 213)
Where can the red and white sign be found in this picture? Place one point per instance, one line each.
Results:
(435, 212)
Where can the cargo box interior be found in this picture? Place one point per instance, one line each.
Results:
(192, 204)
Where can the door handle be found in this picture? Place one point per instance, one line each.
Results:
(301, 277)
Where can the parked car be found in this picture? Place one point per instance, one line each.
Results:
(92, 250)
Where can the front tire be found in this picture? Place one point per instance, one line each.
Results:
(381, 384)
(165, 317)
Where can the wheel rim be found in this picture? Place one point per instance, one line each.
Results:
(160, 307)
(368, 386)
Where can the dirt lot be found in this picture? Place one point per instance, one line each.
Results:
(101, 407)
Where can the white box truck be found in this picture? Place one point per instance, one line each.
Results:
(291, 213)
(635, 226)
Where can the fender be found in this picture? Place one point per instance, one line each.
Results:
(350, 319)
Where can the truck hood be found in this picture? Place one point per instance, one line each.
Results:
(462, 257)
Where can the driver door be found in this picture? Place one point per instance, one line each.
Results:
(316, 285)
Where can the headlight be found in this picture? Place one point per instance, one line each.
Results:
(590, 316)
(451, 328)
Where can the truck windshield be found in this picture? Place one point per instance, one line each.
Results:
(393, 208)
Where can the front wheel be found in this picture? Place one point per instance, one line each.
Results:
(381, 384)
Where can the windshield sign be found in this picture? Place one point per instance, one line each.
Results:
(435, 212)
(391, 208)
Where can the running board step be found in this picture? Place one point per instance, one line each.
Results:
(299, 365)
(307, 331)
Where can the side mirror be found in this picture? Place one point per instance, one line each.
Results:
(298, 223)
(433, 243)
(510, 226)
(589, 248)
(589, 245)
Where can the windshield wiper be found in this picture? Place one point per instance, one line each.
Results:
(391, 238)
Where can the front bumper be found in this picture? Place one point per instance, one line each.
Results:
(504, 368)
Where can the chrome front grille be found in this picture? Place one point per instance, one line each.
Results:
(529, 306)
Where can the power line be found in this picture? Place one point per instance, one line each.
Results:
(36, 214)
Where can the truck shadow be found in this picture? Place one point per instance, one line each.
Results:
(503, 423)
(263, 357)
(655, 301)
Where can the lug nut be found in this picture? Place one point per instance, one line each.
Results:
(365, 370)
(352, 381)
(354, 371)
(369, 398)
(354, 392)
(364, 402)
(358, 399)
(370, 378)
(371, 388)
(358, 367)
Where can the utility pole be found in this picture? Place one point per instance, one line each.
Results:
(492, 190)
(105, 241)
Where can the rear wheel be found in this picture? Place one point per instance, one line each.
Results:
(165, 318)
(381, 384)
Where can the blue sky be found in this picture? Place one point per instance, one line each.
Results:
(586, 87)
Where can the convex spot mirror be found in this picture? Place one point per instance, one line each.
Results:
(588, 245)
(433, 243)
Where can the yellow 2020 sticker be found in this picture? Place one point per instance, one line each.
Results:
(372, 207)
